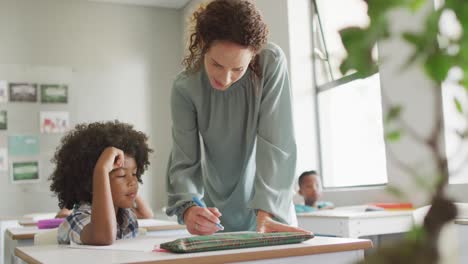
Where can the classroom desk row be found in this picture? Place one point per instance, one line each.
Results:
(20, 249)
(316, 250)
(352, 222)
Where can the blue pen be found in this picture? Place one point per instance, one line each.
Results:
(199, 203)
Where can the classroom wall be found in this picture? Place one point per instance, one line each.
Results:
(119, 61)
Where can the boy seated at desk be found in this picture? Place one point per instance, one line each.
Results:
(98, 168)
(310, 191)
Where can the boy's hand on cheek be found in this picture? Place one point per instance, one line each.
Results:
(111, 158)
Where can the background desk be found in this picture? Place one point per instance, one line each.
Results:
(18, 237)
(354, 222)
(5, 223)
(316, 250)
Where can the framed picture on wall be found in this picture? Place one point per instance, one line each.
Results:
(3, 120)
(24, 171)
(3, 91)
(54, 93)
(3, 159)
(23, 145)
(23, 92)
(54, 122)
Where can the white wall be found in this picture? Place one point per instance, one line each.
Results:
(120, 61)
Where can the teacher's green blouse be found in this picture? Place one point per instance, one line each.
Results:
(235, 149)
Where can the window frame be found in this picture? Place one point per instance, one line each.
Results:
(333, 84)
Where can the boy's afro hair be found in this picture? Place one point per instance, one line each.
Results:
(79, 150)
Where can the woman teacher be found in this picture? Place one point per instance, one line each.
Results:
(233, 136)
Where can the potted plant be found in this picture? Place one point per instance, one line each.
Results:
(438, 52)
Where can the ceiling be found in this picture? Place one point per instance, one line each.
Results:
(159, 3)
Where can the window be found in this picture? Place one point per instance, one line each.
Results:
(352, 146)
(328, 48)
(351, 130)
(455, 123)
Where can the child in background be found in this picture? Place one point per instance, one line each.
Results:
(140, 208)
(310, 188)
(98, 168)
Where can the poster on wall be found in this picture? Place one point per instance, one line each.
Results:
(23, 92)
(3, 91)
(54, 93)
(23, 145)
(3, 159)
(25, 171)
(54, 122)
(3, 120)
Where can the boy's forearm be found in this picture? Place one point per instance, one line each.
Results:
(103, 227)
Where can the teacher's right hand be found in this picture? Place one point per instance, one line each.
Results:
(201, 221)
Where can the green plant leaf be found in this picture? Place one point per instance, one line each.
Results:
(423, 183)
(393, 135)
(395, 191)
(463, 134)
(378, 8)
(417, 233)
(416, 4)
(437, 66)
(393, 113)
(414, 39)
(458, 105)
(359, 51)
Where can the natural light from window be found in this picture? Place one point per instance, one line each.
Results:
(352, 137)
(455, 123)
(349, 13)
(350, 114)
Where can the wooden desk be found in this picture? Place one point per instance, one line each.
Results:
(18, 237)
(159, 225)
(316, 250)
(5, 223)
(354, 222)
(32, 219)
(24, 236)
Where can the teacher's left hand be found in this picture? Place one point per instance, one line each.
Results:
(266, 224)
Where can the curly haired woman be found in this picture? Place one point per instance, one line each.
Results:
(98, 168)
(233, 140)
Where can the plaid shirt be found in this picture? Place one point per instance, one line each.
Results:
(70, 229)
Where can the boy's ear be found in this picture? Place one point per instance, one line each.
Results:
(300, 192)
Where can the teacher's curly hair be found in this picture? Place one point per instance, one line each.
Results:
(79, 150)
(237, 21)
